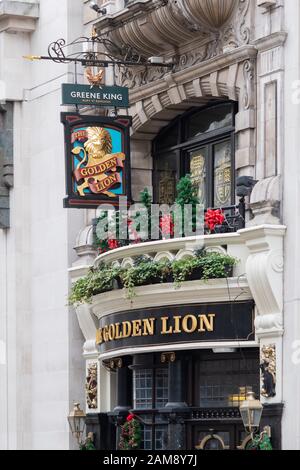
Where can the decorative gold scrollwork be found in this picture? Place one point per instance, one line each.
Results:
(113, 364)
(91, 386)
(167, 357)
(268, 371)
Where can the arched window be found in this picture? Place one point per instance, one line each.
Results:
(201, 143)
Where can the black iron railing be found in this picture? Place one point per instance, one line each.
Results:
(234, 218)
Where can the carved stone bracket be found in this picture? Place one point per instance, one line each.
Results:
(264, 270)
(249, 90)
(87, 323)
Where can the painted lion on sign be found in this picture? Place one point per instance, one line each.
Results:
(97, 149)
(98, 145)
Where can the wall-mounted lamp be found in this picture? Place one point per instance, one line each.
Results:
(76, 421)
(251, 410)
(94, 6)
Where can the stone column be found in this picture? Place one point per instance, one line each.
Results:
(176, 409)
(124, 394)
(124, 387)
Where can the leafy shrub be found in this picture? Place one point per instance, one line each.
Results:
(205, 265)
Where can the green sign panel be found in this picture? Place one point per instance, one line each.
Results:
(87, 95)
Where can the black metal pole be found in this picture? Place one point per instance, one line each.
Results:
(98, 63)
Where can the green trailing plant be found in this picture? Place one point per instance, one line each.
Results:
(183, 269)
(142, 259)
(142, 274)
(216, 265)
(205, 265)
(81, 291)
(97, 281)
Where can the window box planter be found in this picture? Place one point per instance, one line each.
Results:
(148, 272)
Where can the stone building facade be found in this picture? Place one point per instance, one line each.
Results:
(235, 60)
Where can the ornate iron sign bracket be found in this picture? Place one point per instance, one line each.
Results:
(86, 51)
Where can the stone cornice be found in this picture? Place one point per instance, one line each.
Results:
(156, 295)
(18, 16)
(269, 42)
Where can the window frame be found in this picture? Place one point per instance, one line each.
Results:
(185, 146)
(153, 412)
(247, 355)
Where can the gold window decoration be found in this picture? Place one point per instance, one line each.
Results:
(222, 174)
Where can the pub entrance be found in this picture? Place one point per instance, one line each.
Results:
(207, 389)
(186, 400)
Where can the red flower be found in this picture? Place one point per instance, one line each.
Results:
(166, 225)
(214, 218)
(113, 244)
(130, 417)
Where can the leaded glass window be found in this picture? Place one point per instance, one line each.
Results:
(224, 381)
(150, 392)
(142, 389)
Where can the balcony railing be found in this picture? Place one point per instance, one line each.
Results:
(234, 220)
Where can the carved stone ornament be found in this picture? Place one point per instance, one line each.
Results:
(248, 69)
(167, 357)
(185, 32)
(92, 386)
(268, 371)
(114, 364)
(205, 14)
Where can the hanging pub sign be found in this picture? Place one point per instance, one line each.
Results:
(86, 95)
(97, 159)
